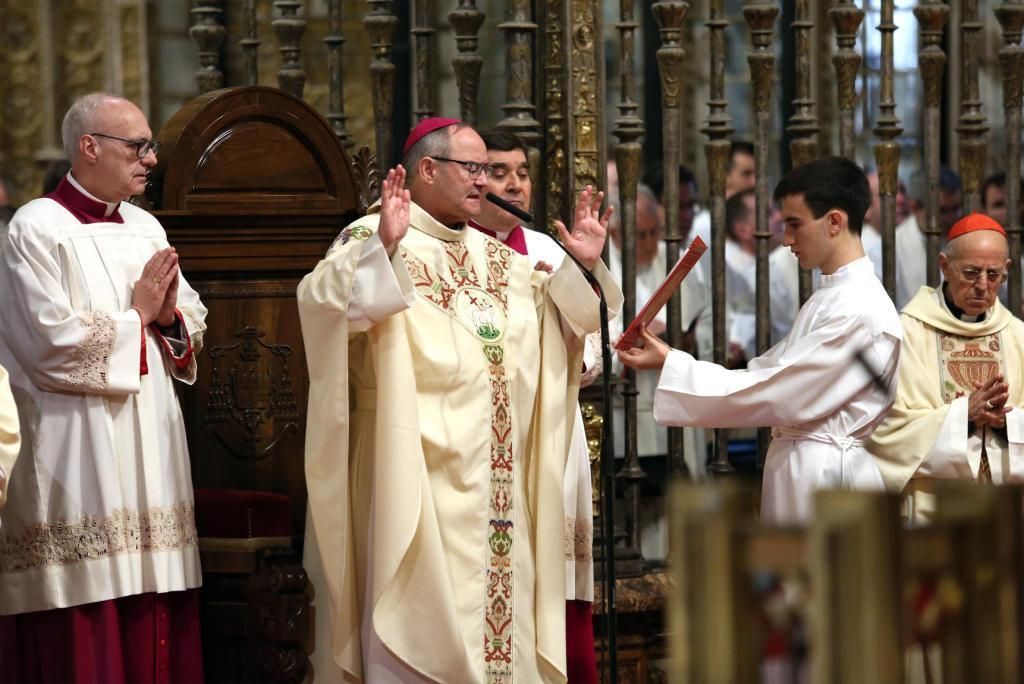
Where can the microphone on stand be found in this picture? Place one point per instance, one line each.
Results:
(607, 453)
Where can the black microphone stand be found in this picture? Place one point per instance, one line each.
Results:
(607, 448)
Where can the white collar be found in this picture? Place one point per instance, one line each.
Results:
(851, 271)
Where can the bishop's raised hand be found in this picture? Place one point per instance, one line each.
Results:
(589, 228)
(394, 210)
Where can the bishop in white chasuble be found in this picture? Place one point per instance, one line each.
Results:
(443, 388)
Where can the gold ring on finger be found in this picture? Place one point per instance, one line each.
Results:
(988, 402)
(156, 281)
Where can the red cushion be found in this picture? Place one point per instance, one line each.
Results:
(242, 514)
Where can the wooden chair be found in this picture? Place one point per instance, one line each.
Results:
(252, 187)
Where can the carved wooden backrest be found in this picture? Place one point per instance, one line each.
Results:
(252, 188)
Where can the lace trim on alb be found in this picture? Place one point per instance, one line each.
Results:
(92, 537)
(92, 357)
(579, 539)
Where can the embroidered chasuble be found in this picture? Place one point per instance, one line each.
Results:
(577, 486)
(443, 388)
(100, 500)
(926, 436)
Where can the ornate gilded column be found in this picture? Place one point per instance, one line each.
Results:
(335, 74)
(23, 35)
(932, 16)
(250, 44)
(466, 19)
(760, 16)
(718, 128)
(586, 76)
(670, 16)
(555, 173)
(289, 28)
(803, 125)
(887, 152)
(380, 26)
(82, 57)
(1011, 60)
(519, 110)
(846, 18)
(971, 127)
(629, 128)
(423, 60)
(207, 34)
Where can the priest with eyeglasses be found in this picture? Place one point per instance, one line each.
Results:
(99, 563)
(958, 411)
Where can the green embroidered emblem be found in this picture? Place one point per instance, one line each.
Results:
(488, 332)
(359, 233)
(494, 353)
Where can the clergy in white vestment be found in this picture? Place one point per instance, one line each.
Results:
(820, 402)
(959, 411)
(444, 372)
(912, 255)
(740, 175)
(10, 434)
(741, 279)
(911, 260)
(508, 177)
(99, 565)
(695, 317)
(870, 235)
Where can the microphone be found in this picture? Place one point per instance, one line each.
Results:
(509, 207)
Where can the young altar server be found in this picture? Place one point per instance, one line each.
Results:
(819, 399)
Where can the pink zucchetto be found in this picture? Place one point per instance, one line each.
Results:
(426, 127)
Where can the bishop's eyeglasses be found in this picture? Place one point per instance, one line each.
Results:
(142, 146)
(474, 169)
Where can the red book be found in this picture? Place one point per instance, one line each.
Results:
(664, 292)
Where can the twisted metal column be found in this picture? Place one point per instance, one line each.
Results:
(932, 15)
(207, 34)
(760, 16)
(803, 125)
(520, 30)
(380, 26)
(629, 128)
(846, 18)
(670, 16)
(466, 19)
(887, 152)
(335, 74)
(718, 128)
(250, 44)
(289, 28)
(1011, 60)
(422, 39)
(971, 127)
